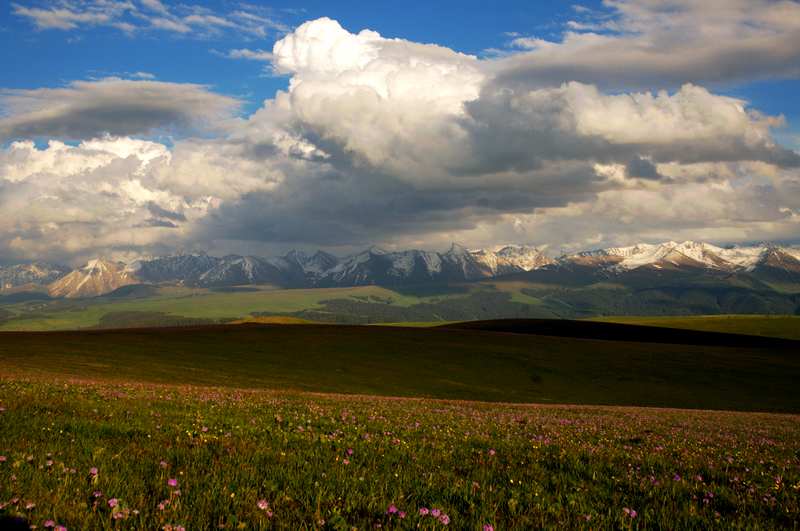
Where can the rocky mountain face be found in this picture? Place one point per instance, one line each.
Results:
(769, 262)
(30, 275)
(95, 278)
(764, 263)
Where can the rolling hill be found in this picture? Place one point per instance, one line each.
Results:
(422, 362)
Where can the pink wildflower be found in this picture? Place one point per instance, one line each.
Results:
(163, 464)
(48, 524)
(97, 494)
(444, 519)
(423, 511)
(401, 514)
(349, 451)
(172, 482)
(629, 512)
(492, 451)
(2, 459)
(392, 509)
(488, 527)
(263, 505)
(113, 502)
(60, 528)
(435, 513)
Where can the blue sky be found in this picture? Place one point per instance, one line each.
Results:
(132, 127)
(51, 57)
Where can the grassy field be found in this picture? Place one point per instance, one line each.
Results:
(422, 362)
(197, 303)
(90, 455)
(786, 326)
(238, 427)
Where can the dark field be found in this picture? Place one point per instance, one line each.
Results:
(760, 374)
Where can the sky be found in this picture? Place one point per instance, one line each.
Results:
(133, 128)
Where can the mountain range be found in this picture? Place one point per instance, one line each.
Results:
(763, 263)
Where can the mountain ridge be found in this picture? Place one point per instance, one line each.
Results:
(766, 262)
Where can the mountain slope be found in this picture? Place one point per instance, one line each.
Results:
(31, 274)
(96, 278)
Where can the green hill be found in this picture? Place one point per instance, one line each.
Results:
(786, 326)
(421, 362)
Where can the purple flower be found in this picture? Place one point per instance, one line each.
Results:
(435, 513)
(676, 477)
(392, 509)
(113, 502)
(97, 494)
(423, 511)
(488, 527)
(444, 519)
(630, 512)
(349, 451)
(172, 482)
(401, 514)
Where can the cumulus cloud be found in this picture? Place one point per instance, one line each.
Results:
(653, 44)
(188, 20)
(389, 141)
(85, 109)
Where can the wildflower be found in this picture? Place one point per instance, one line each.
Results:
(492, 451)
(263, 505)
(629, 512)
(345, 461)
(172, 482)
(401, 514)
(60, 528)
(392, 509)
(93, 471)
(444, 519)
(29, 506)
(488, 527)
(113, 502)
(435, 513)
(204, 429)
(97, 494)
(48, 524)
(163, 464)
(676, 477)
(2, 459)
(349, 451)
(423, 511)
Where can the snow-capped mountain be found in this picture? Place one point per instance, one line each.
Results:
(181, 269)
(235, 270)
(687, 255)
(96, 278)
(32, 274)
(510, 259)
(765, 263)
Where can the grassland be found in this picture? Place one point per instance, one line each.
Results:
(267, 426)
(194, 303)
(422, 362)
(91, 455)
(786, 326)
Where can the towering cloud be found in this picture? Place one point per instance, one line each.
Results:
(381, 140)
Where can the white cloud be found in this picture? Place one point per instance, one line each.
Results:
(653, 44)
(85, 109)
(190, 20)
(386, 140)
